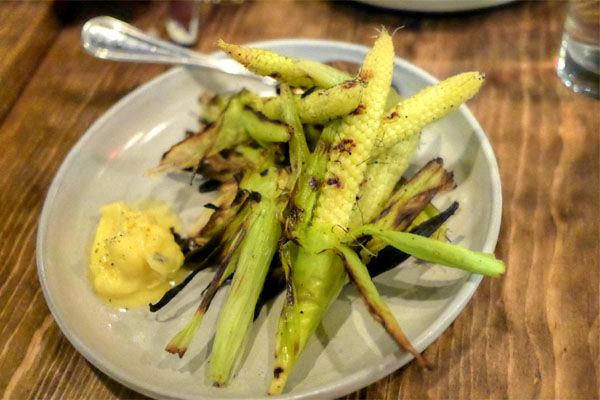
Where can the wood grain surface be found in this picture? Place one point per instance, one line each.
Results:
(534, 333)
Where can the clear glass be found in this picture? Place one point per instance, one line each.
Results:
(579, 57)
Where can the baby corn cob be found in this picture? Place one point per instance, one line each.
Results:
(317, 277)
(427, 106)
(400, 137)
(299, 73)
(380, 178)
(356, 137)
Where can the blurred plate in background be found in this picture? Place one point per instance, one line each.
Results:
(435, 5)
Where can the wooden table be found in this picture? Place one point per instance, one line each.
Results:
(533, 333)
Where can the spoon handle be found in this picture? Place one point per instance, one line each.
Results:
(111, 39)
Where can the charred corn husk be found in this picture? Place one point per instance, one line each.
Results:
(430, 211)
(252, 264)
(359, 274)
(409, 200)
(236, 232)
(225, 132)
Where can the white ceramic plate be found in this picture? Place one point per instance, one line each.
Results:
(349, 351)
(435, 5)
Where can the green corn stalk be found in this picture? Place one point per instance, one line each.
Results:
(235, 317)
(356, 163)
(359, 275)
(435, 251)
(262, 129)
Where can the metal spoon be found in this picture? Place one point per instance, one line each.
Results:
(111, 39)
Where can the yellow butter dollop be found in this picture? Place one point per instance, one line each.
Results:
(134, 258)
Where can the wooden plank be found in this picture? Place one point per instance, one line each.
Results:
(26, 33)
(69, 91)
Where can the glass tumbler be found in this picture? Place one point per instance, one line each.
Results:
(578, 63)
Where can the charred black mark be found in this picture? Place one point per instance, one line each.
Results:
(211, 206)
(265, 172)
(262, 117)
(209, 186)
(277, 372)
(238, 176)
(289, 292)
(365, 74)
(309, 91)
(345, 146)
(176, 236)
(392, 116)
(412, 208)
(275, 75)
(255, 196)
(324, 146)
(349, 84)
(225, 153)
(384, 212)
(295, 212)
(196, 171)
(335, 181)
(359, 110)
(314, 183)
(239, 197)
